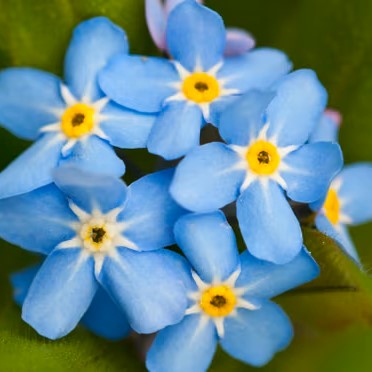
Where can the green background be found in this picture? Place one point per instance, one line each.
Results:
(333, 316)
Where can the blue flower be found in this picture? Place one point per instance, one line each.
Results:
(328, 128)
(157, 11)
(97, 233)
(348, 202)
(72, 121)
(229, 300)
(190, 90)
(264, 161)
(103, 317)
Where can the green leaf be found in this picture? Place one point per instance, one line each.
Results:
(340, 297)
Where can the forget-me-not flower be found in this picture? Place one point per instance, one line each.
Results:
(348, 202)
(191, 89)
(265, 160)
(103, 317)
(97, 233)
(228, 300)
(157, 11)
(72, 121)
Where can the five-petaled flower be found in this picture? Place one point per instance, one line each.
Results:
(72, 121)
(265, 160)
(190, 90)
(97, 233)
(348, 202)
(228, 300)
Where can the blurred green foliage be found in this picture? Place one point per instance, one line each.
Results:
(333, 315)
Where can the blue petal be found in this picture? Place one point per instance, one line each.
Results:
(21, 282)
(257, 69)
(105, 319)
(326, 131)
(27, 100)
(207, 179)
(60, 293)
(218, 107)
(311, 169)
(268, 225)
(209, 244)
(37, 221)
(338, 233)
(93, 44)
(266, 280)
(156, 21)
(33, 168)
(88, 190)
(238, 42)
(183, 347)
(176, 130)
(255, 336)
(347, 244)
(139, 83)
(148, 286)
(95, 155)
(297, 108)
(195, 35)
(124, 128)
(242, 121)
(150, 212)
(355, 192)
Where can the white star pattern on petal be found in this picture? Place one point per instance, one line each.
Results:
(196, 296)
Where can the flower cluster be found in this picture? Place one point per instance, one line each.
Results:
(106, 263)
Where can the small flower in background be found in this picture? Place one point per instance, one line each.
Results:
(328, 128)
(72, 121)
(96, 234)
(265, 160)
(103, 317)
(157, 11)
(348, 203)
(192, 89)
(228, 300)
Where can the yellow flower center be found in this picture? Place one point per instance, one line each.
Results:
(332, 207)
(218, 301)
(201, 87)
(263, 158)
(77, 120)
(95, 237)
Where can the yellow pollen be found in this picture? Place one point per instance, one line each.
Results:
(96, 236)
(77, 120)
(332, 207)
(263, 158)
(201, 87)
(218, 301)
